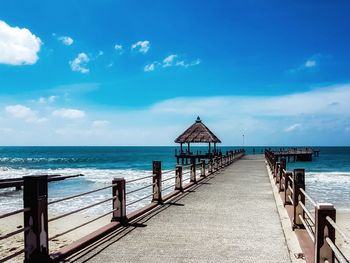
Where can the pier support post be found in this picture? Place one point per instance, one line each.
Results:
(202, 168)
(210, 166)
(36, 238)
(178, 178)
(157, 182)
(281, 172)
(299, 182)
(119, 203)
(276, 172)
(323, 229)
(287, 192)
(193, 178)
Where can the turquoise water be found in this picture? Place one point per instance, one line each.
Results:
(327, 177)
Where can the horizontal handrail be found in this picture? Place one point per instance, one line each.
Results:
(80, 209)
(307, 212)
(337, 228)
(15, 212)
(167, 179)
(13, 255)
(78, 195)
(185, 179)
(139, 189)
(14, 233)
(186, 166)
(139, 179)
(308, 197)
(307, 228)
(186, 172)
(290, 189)
(337, 253)
(290, 200)
(166, 188)
(138, 200)
(167, 172)
(84, 224)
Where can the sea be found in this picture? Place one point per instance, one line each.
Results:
(327, 176)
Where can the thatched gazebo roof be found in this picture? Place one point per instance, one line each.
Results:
(197, 133)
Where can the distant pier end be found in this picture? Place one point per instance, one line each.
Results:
(196, 133)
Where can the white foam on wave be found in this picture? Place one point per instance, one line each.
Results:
(332, 187)
(93, 179)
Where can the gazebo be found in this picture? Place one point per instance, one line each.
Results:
(196, 133)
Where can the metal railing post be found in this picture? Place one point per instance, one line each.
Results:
(282, 167)
(193, 178)
(178, 178)
(119, 203)
(157, 182)
(323, 229)
(287, 192)
(36, 239)
(299, 182)
(202, 168)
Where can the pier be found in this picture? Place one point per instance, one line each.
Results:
(296, 154)
(220, 219)
(222, 210)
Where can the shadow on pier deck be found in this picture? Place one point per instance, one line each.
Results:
(229, 216)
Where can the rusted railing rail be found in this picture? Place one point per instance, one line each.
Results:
(320, 226)
(36, 203)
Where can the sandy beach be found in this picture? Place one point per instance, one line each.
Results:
(15, 243)
(343, 220)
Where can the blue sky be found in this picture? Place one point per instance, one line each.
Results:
(139, 72)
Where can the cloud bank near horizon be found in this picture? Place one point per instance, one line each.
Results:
(307, 118)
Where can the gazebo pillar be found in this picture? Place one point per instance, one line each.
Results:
(180, 147)
(188, 148)
(209, 148)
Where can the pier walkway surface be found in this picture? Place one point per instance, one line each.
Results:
(230, 216)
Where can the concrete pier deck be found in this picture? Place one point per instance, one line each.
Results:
(230, 216)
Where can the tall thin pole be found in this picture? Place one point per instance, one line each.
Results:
(243, 139)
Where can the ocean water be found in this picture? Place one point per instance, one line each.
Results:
(327, 177)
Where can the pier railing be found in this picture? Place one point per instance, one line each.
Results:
(162, 186)
(321, 225)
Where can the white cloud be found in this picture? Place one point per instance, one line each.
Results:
(22, 112)
(80, 63)
(142, 46)
(18, 45)
(66, 40)
(100, 53)
(317, 117)
(149, 67)
(293, 127)
(69, 113)
(50, 99)
(118, 48)
(169, 60)
(310, 63)
(100, 123)
(312, 103)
